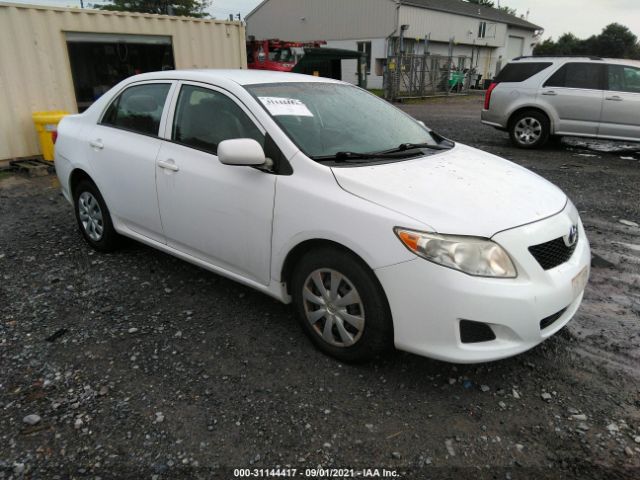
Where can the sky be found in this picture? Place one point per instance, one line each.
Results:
(581, 17)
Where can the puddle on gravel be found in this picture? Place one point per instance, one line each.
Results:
(626, 150)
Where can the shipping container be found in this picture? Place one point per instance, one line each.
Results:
(64, 58)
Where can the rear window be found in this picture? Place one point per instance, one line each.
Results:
(519, 72)
(138, 108)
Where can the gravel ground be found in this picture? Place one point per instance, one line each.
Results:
(138, 365)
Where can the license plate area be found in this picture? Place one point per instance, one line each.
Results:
(579, 282)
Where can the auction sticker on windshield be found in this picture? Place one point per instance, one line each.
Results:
(278, 106)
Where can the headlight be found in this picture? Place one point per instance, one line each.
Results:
(472, 255)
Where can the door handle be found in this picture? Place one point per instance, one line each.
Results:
(96, 144)
(168, 165)
(550, 93)
(614, 98)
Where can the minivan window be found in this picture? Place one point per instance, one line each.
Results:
(519, 72)
(589, 76)
(138, 108)
(204, 118)
(624, 79)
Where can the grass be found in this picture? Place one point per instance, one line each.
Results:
(5, 174)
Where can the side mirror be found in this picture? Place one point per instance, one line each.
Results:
(422, 123)
(241, 152)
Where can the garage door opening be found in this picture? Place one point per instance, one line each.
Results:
(99, 61)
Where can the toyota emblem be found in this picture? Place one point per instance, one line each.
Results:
(571, 239)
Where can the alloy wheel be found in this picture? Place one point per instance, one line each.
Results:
(528, 130)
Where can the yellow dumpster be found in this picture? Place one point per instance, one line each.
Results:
(46, 124)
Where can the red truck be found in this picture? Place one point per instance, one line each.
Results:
(275, 54)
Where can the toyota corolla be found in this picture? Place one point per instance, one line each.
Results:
(380, 232)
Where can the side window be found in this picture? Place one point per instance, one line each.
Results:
(482, 30)
(623, 79)
(204, 118)
(578, 75)
(138, 108)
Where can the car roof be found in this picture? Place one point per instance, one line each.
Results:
(241, 77)
(576, 58)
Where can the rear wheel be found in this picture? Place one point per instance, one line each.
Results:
(341, 305)
(529, 129)
(93, 217)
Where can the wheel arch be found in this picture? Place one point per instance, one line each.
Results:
(528, 108)
(76, 176)
(302, 248)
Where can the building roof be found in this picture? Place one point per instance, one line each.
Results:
(460, 7)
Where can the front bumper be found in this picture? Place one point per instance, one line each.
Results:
(428, 301)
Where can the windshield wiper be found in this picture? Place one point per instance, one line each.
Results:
(348, 156)
(401, 151)
(412, 146)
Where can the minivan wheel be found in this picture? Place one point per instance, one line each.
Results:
(93, 217)
(529, 129)
(341, 305)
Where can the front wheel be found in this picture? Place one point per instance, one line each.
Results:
(93, 217)
(529, 129)
(341, 305)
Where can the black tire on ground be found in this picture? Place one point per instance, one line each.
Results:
(533, 117)
(109, 239)
(377, 335)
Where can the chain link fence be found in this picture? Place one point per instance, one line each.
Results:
(417, 75)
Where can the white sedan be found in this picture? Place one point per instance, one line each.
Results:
(378, 230)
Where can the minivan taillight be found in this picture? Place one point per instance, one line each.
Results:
(54, 136)
(487, 95)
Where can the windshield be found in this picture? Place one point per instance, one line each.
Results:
(282, 55)
(324, 119)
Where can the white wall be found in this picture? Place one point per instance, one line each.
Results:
(443, 26)
(308, 20)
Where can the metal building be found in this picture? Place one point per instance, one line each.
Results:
(64, 58)
(488, 36)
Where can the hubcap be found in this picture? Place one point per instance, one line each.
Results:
(528, 130)
(333, 307)
(90, 216)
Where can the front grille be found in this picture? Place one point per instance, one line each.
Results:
(547, 322)
(551, 254)
(475, 332)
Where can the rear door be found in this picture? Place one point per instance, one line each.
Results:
(574, 96)
(123, 148)
(621, 108)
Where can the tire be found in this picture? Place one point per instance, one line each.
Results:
(529, 129)
(94, 220)
(314, 310)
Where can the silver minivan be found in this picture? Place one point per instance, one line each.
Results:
(535, 98)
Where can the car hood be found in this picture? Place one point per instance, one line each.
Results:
(462, 191)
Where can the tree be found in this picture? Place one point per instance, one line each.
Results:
(482, 3)
(509, 10)
(184, 8)
(492, 4)
(615, 40)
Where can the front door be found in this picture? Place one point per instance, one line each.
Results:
(621, 108)
(574, 96)
(220, 214)
(123, 148)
